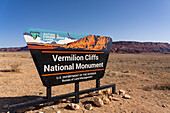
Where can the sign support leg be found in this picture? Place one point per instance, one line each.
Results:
(114, 89)
(13, 108)
(97, 83)
(48, 93)
(77, 92)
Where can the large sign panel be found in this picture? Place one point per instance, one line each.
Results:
(64, 57)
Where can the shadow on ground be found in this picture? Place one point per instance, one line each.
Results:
(14, 100)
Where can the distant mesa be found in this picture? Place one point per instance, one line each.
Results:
(89, 42)
(140, 47)
(13, 49)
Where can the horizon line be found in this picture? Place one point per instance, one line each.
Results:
(112, 41)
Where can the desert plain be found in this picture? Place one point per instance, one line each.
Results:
(145, 77)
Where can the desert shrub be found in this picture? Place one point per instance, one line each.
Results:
(127, 71)
(147, 88)
(2, 55)
(162, 87)
(15, 68)
(165, 86)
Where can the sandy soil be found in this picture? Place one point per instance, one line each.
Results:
(145, 77)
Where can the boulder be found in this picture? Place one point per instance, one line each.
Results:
(98, 101)
(91, 94)
(115, 99)
(105, 100)
(74, 106)
(88, 106)
(108, 91)
(99, 92)
(68, 100)
(121, 92)
(126, 96)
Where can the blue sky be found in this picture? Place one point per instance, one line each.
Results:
(123, 20)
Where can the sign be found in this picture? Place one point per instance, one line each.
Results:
(64, 57)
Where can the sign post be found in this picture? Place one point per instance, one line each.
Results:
(64, 57)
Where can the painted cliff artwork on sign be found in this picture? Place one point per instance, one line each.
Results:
(64, 57)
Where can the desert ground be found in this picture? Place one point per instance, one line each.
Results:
(145, 77)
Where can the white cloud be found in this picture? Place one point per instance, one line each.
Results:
(65, 41)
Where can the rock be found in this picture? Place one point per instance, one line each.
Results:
(39, 98)
(99, 92)
(40, 93)
(98, 101)
(127, 71)
(68, 100)
(32, 111)
(47, 107)
(91, 94)
(164, 105)
(121, 92)
(31, 107)
(42, 104)
(115, 99)
(5, 106)
(55, 107)
(88, 106)
(105, 100)
(58, 112)
(74, 106)
(129, 90)
(113, 95)
(126, 96)
(50, 103)
(110, 98)
(108, 91)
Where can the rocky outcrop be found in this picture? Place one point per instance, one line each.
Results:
(91, 42)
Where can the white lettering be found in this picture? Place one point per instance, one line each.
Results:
(55, 57)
